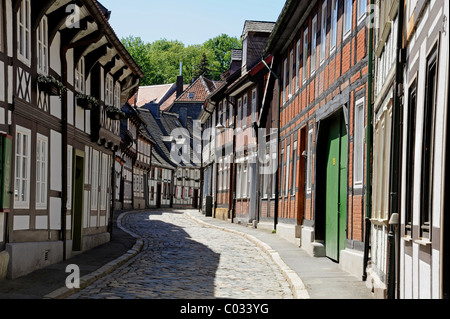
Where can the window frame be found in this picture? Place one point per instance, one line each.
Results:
(291, 74)
(285, 95)
(294, 169)
(109, 90)
(117, 94)
(334, 25)
(411, 123)
(429, 137)
(309, 173)
(313, 45)
(95, 179)
(323, 36)
(254, 104)
(42, 47)
(288, 170)
(348, 7)
(80, 72)
(244, 110)
(305, 55)
(41, 171)
(24, 32)
(358, 141)
(361, 14)
(22, 131)
(239, 115)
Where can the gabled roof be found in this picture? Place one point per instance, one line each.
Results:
(258, 26)
(154, 93)
(199, 90)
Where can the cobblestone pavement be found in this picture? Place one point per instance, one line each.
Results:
(182, 259)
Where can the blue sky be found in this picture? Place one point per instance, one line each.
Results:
(191, 22)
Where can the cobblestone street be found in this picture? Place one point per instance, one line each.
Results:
(182, 259)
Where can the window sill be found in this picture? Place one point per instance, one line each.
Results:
(407, 238)
(379, 221)
(423, 241)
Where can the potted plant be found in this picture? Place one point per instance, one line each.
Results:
(86, 101)
(50, 85)
(114, 113)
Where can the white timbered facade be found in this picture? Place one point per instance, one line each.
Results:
(64, 75)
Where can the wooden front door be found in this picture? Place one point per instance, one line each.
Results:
(336, 189)
(158, 195)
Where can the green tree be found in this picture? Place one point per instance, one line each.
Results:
(160, 60)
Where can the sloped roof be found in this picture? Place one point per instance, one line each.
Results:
(153, 93)
(258, 26)
(169, 101)
(199, 90)
(159, 130)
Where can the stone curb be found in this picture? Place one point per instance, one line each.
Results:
(295, 282)
(87, 280)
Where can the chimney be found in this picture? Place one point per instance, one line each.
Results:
(180, 81)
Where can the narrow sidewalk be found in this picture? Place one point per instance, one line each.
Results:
(310, 277)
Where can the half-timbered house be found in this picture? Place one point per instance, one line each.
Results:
(65, 76)
(320, 56)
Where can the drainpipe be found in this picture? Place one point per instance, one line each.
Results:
(64, 127)
(275, 219)
(395, 158)
(369, 147)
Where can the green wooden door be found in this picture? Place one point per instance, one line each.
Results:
(336, 189)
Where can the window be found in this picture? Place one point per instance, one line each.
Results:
(245, 111)
(348, 14)
(294, 169)
(305, 55)
(220, 174)
(254, 102)
(426, 200)
(333, 33)
(358, 139)
(117, 103)
(410, 154)
(323, 37)
(291, 72)
(288, 167)
(109, 90)
(104, 181)
(238, 180)
(22, 174)
(309, 162)
(69, 175)
(23, 32)
(362, 9)
(220, 114)
(94, 183)
(80, 76)
(239, 117)
(244, 180)
(191, 95)
(42, 47)
(41, 171)
(224, 114)
(230, 119)
(313, 44)
(297, 68)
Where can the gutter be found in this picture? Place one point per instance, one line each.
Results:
(369, 150)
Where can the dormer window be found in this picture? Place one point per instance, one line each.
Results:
(42, 47)
(80, 76)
